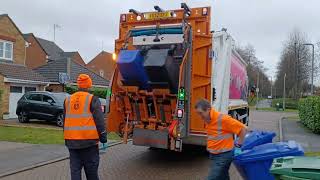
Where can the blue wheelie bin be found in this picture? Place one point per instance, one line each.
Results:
(256, 137)
(254, 164)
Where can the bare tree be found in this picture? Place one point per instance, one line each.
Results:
(295, 62)
(255, 69)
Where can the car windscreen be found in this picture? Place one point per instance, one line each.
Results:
(60, 97)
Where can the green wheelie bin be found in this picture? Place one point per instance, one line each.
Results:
(296, 168)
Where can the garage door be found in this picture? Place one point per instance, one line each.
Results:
(16, 92)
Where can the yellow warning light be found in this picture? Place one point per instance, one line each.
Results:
(114, 56)
(179, 135)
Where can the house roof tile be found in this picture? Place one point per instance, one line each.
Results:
(51, 48)
(16, 71)
(52, 69)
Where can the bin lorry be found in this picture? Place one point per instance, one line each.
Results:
(164, 63)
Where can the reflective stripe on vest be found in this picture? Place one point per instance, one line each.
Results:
(219, 137)
(79, 122)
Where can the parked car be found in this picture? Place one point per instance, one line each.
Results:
(41, 105)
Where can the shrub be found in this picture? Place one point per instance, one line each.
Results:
(71, 89)
(99, 92)
(290, 103)
(309, 113)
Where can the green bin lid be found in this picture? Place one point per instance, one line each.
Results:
(284, 177)
(302, 167)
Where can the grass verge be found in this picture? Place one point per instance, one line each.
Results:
(31, 135)
(114, 136)
(312, 153)
(37, 135)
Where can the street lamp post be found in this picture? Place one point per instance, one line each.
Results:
(271, 86)
(312, 64)
(284, 92)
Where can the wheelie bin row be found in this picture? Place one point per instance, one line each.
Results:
(260, 159)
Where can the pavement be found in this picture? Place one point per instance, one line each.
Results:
(294, 130)
(126, 161)
(17, 156)
(267, 121)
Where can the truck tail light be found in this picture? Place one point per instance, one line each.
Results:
(204, 11)
(123, 18)
(180, 113)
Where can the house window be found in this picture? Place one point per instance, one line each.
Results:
(28, 89)
(101, 72)
(6, 50)
(15, 89)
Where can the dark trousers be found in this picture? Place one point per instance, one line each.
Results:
(219, 166)
(88, 159)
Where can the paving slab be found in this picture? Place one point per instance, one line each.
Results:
(294, 130)
(7, 146)
(24, 156)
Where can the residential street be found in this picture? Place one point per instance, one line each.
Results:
(133, 162)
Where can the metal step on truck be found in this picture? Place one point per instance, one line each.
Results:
(164, 65)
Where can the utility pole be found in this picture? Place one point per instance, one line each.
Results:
(271, 86)
(284, 92)
(257, 90)
(295, 71)
(312, 65)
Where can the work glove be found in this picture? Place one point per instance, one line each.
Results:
(103, 147)
(103, 137)
(237, 151)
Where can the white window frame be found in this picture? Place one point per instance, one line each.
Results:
(2, 56)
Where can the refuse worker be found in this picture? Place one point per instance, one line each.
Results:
(220, 144)
(84, 126)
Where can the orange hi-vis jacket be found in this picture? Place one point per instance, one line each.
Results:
(79, 123)
(220, 132)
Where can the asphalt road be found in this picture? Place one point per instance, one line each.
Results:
(135, 163)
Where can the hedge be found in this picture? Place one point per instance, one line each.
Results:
(290, 103)
(100, 92)
(309, 113)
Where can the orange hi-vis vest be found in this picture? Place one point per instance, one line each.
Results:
(79, 123)
(218, 140)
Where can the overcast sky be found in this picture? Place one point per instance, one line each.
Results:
(90, 26)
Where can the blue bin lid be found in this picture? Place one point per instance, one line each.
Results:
(270, 151)
(128, 56)
(256, 137)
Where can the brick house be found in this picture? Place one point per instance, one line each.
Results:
(103, 65)
(35, 56)
(52, 69)
(15, 77)
(54, 52)
(75, 56)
